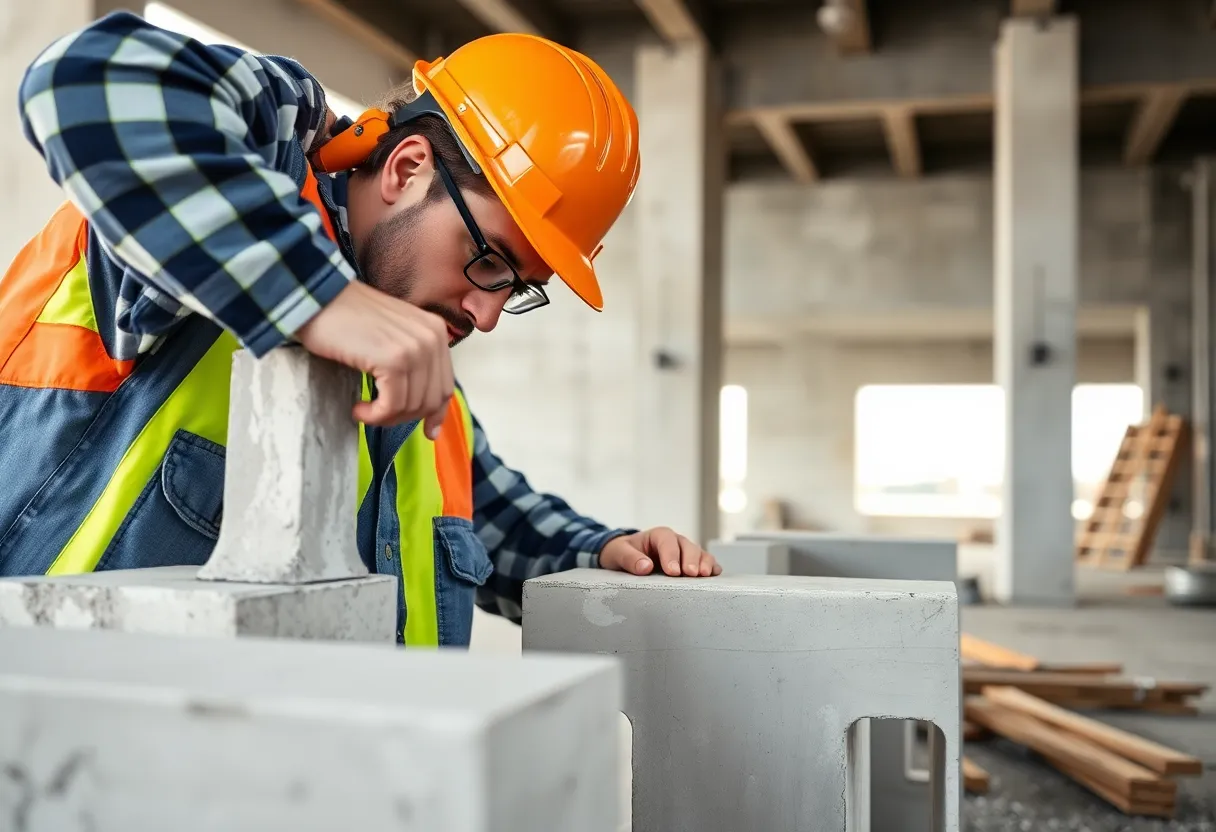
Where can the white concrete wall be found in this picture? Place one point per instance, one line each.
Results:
(30, 195)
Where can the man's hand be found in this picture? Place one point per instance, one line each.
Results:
(636, 553)
(404, 348)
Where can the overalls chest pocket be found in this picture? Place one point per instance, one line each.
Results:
(176, 519)
(462, 564)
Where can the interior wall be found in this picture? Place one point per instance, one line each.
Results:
(801, 396)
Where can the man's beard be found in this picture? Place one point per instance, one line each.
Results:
(389, 262)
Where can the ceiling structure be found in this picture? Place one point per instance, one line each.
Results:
(817, 89)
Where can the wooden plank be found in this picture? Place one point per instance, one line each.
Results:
(994, 655)
(1090, 668)
(1161, 809)
(972, 732)
(1091, 759)
(1152, 755)
(975, 779)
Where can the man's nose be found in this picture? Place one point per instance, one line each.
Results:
(485, 307)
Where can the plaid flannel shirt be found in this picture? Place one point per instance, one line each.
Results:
(174, 151)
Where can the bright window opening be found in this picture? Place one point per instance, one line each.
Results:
(732, 449)
(938, 450)
(167, 17)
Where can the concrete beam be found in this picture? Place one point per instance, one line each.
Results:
(767, 677)
(358, 26)
(674, 20)
(194, 735)
(781, 137)
(512, 16)
(1152, 122)
(899, 125)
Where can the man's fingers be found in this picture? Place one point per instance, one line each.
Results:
(665, 545)
(690, 557)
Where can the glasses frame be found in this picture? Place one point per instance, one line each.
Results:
(533, 292)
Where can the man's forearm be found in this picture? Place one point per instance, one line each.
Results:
(528, 534)
(171, 149)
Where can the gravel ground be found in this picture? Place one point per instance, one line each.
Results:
(1026, 795)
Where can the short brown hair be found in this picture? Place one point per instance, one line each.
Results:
(434, 130)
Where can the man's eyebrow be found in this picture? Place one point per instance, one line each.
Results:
(500, 245)
(503, 248)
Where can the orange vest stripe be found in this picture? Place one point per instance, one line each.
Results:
(453, 464)
(34, 354)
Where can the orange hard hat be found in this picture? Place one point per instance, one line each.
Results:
(552, 133)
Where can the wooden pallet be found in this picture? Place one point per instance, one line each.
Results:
(1144, 469)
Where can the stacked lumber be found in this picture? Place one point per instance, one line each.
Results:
(1018, 697)
(1129, 772)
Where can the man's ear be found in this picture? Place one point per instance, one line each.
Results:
(407, 172)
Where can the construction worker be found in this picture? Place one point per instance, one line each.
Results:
(214, 203)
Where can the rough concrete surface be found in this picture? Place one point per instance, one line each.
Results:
(171, 600)
(742, 690)
(290, 474)
(109, 732)
(1151, 639)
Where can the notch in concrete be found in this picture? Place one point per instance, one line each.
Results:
(291, 472)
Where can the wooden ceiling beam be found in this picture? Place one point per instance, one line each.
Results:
(1154, 117)
(899, 125)
(784, 141)
(673, 20)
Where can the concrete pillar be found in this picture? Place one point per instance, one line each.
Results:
(30, 195)
(679, 221)
(114, 732)
(1203, 192)
(1036, 225)
(1164, 364)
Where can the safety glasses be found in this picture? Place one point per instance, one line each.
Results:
(489, 270)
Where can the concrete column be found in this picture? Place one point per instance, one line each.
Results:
(1203, 192)
(1036, 225)
(1164, 365)
(679, 221)
(30, 194)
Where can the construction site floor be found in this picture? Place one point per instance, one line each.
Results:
(1151, 639)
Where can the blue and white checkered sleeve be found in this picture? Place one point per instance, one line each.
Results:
(527, 534)
(174, 151)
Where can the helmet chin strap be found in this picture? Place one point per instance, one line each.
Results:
(353, 141)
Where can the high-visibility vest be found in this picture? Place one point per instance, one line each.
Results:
(125, 457)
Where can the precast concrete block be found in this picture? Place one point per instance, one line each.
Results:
(744, 691)
(170, 600)
(900, 789)
(885, 557)
(110, 732)
(749, 557)
(291, 472)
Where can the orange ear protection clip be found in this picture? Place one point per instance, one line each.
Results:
(356, 140)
